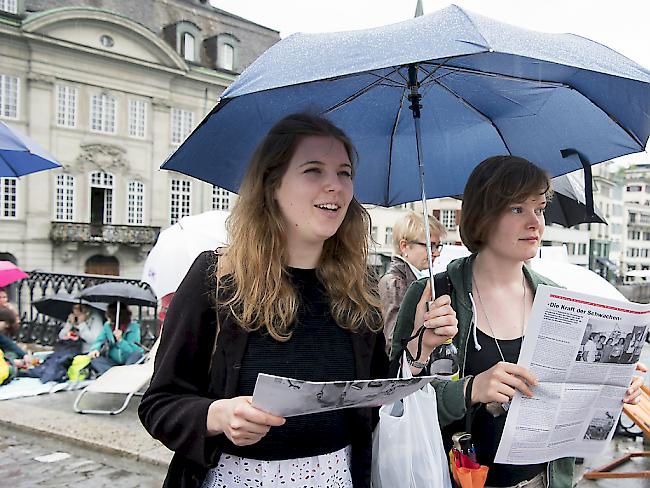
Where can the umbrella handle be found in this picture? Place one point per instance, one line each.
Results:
(586, 166)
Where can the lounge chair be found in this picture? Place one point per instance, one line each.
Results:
(640, 415)
(128, 380)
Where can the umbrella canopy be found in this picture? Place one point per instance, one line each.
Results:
(60, 305)
(487, 88)
(181, 244)
(19, 155)
(125, 293)
(567, 207)
(10, 273)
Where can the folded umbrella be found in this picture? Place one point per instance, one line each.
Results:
(10, 273)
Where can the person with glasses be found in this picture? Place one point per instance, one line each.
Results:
(407, 264)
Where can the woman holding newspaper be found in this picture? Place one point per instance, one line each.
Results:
(502, 222)
(293, 298)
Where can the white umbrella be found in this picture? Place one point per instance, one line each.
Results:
(553, 265)
(178, 246)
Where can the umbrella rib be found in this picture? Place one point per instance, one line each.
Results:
(358, 93)
(390, 148)
(472, 107)
(539, 82)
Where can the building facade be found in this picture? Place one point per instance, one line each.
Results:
(110, 88)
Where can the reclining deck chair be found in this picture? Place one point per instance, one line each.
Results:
(640, 415)
(128, 380)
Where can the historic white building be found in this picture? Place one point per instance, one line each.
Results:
(110, 90)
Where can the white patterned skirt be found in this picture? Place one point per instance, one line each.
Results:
(325, 471)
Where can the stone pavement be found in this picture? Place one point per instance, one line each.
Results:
(28, 461)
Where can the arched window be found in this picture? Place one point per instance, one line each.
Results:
(188, 43)
(102, 265)
(101, 198)
(227, 56)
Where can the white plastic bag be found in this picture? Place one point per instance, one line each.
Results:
(407, 449)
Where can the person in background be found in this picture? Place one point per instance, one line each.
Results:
(606, 350)
(407, 264)
(590, 348)
(291, 296)
(11, 350)
(84, 323)
(11, 329)
(121, 342)
(502, 223)
(617, 351)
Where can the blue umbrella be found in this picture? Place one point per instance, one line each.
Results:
(473, 86)
(20, 156)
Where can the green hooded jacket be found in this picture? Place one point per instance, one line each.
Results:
(450, 394)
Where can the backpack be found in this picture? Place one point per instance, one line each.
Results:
(8, 370)
(79, 370)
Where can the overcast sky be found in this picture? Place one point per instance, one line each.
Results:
(620, 24)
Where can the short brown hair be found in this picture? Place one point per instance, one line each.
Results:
(496, 183)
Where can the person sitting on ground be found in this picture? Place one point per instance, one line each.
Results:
(12, 350)
(409, 259)
(84, 324)
(122, 341)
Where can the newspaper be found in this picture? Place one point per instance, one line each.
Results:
(583, 351)
(288, 397)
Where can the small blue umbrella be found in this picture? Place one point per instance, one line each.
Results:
(425, 100)
(20, 156)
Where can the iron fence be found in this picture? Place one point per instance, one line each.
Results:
(41, 329)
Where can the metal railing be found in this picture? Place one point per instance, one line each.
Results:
(41, 329)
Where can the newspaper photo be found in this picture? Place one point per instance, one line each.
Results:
(288, 397)
(583, 351)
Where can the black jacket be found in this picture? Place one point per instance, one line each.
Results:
(185, 383)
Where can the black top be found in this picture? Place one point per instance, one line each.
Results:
(319, 350)
(175, 407)
(486, 429)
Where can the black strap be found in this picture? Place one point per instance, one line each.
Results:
(443, 286)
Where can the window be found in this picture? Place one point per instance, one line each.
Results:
(182, 121)
(8, 197)
(373, 233)
(388, 238)
(631, 267)
(448, 219)
(135, 203)
(64, 198)
(227, 56)
(66, 106)
(634, 235)
(634, 188)
(221, 199)
(582, 249)
(181, 192)
(137, 118)
(9, 87)
(101, 198)
(102, 113)
(10, 6)
(106, 41)
(187, 46)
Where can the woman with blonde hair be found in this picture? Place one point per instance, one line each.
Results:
(408, 261)
(291, 296)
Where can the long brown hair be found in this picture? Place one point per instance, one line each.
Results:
(263, 296)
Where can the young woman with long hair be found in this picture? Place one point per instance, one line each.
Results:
(290, 296)
(502, 223)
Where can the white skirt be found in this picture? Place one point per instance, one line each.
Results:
(325, 471)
